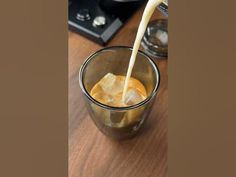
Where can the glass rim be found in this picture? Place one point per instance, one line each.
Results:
(147, 100)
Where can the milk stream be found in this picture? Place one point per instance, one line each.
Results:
(148, 11)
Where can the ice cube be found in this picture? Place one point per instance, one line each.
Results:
(162, 36)
(111, 84)
(116, 117)
(102, 114)
(134, 115)
(102, 97)
(133, 96)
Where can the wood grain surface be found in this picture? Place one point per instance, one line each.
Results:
(91, 154)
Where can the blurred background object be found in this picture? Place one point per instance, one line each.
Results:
(163, 7)
(155, 39)
(99, 20)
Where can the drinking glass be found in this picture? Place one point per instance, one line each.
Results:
(118, 122)
(155, 39)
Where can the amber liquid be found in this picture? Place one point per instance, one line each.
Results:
(109, 91)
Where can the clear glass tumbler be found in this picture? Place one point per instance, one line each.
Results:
(118, 122)
(155, 39)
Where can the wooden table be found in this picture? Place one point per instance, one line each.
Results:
(91, 154)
